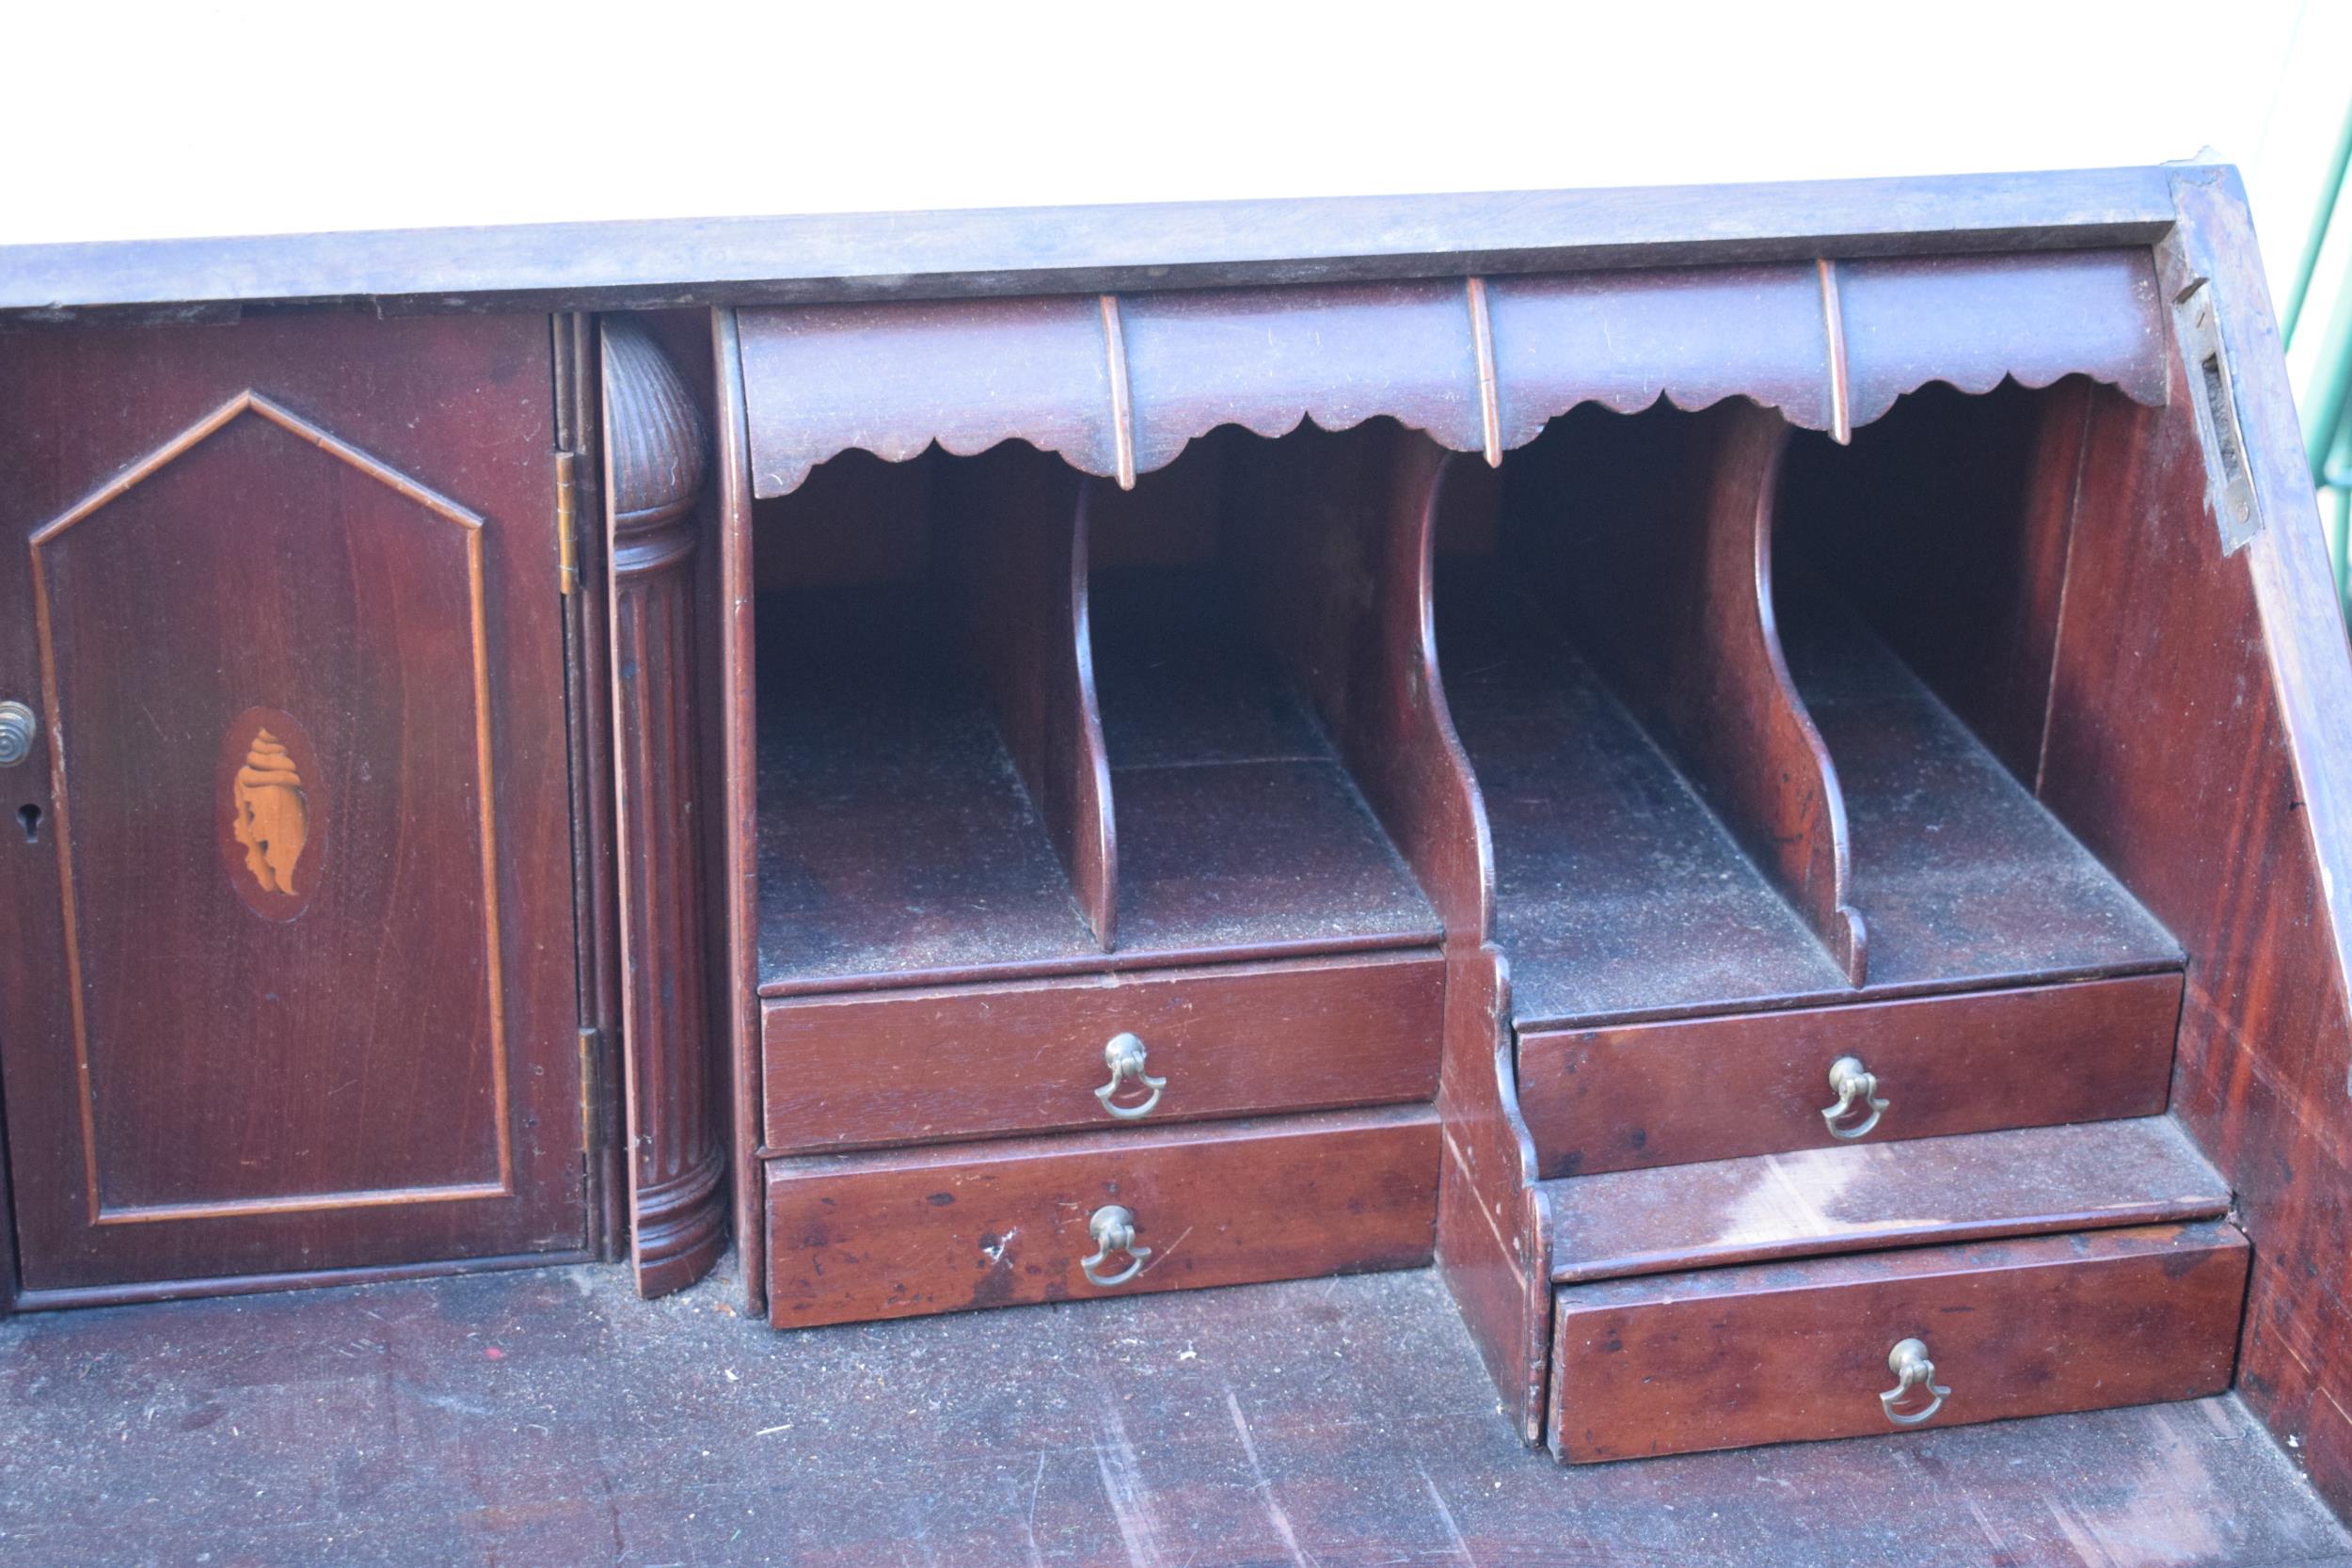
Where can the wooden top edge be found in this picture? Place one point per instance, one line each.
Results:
(799, 259)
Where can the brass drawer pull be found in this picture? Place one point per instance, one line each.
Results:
(1909, 1362)
(17, 728)
(1854, 1086)
(1114, 1231)
(1124, 1057)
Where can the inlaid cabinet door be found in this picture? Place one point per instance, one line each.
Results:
(286, 929)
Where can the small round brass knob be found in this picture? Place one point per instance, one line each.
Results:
(17, 728)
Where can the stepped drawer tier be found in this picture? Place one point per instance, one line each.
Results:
(1632, 1096)
(855, 1237)
(1876, 1342)
(1129, 1050)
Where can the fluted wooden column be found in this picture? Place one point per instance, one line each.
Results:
(657, 458)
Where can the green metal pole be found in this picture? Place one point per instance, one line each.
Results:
(2317, 240)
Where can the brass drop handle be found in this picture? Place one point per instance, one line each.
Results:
(17, 728)
(1909, 1362)
(1124, 1057)
(1854, 1086)
(1114, 1231)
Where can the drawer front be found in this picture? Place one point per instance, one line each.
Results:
(992, 1061)
(1719, 1088)
(857, 1237)
(1731, 1358)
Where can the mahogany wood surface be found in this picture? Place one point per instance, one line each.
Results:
(1345, 1421)
(1787, 1353)
(2196, 743)
(1334, 535)
(1013, 544)
(286, 950)
(1120, 384)
(1240, 826)
(1493, 1220)
(1058, 250)
(1964, 877)
(858, 1237)
(1658, 534)
(1617, 892)
(1945, 526)
(1860, 1197)
(1686, 1090)
(738, 826)
(986, 1061)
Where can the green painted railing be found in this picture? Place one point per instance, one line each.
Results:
(2327, 399)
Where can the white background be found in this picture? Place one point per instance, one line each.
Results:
(144, 120)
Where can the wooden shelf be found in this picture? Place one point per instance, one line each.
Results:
(1966, 879)
(1239, 828)
(896, 840)
(1617, 892)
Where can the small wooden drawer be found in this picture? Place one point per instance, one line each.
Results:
(853, 1236)
(896, 1068)
(1731, 1358)
(1679, 1092)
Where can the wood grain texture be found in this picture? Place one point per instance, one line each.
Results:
(1964, 877)
(892, 1235)
(1270, 359)
(893, 379)
(1090, 249)
(1716, 1089)
(1864, 1196)
(657, 460)
(1013, 542)
(1334, 536)
(2028, 319)
(348, 523)
(1946, 524)
(1792, 1353)
(1606, 861)
(1493, 1222)
(738, 797)
(987, 1061)
(1351, 1413)
(1659, 534)
(2231, 820)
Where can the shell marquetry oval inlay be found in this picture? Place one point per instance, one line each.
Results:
(271, 800)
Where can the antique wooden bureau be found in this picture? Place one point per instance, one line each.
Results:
(1756, 774)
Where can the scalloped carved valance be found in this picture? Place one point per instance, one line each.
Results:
(1118, 385)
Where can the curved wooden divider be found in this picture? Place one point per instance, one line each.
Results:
(1338, 540)
(1016, 568)
(1672, 587)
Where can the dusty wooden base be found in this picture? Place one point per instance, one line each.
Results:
(552, 1417)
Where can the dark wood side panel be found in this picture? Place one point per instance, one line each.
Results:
(1662, 543)
(1012, 534)
(1713, 1088)
(854, 1237)
(738, 797)
(1493, 1229)
(987, 1061)
(286, 935)
(2197, 745)
(657, 456)
(1335, 534)
(2036, 1180)
(1740, 1358)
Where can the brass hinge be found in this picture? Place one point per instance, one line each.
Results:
(567, 520)
(591, 1091)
